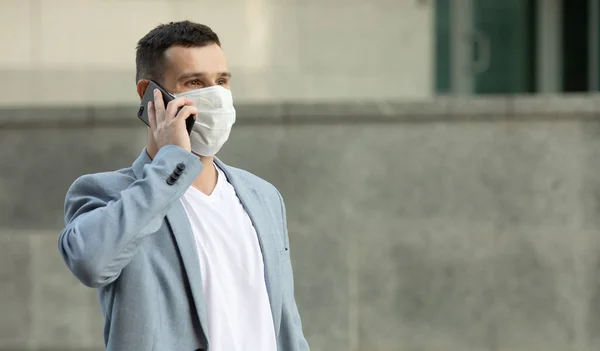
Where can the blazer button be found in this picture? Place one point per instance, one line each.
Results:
(171, 180)
(181, 167)
(175, 175)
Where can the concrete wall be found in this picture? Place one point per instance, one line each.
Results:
(76, 52)
(443, 226)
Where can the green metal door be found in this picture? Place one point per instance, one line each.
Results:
(509, 30)
(485, 46)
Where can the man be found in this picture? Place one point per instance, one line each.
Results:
(186, 252)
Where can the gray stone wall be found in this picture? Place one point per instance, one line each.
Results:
(443, 225)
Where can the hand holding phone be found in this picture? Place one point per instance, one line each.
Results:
(168, 118)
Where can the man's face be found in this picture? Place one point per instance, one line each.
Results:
(190, 68)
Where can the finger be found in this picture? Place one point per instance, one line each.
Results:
(174, 106)
(186, 112)
(159, 106)
(151, 115)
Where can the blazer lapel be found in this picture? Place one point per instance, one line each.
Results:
(263, 224)
(182, 232)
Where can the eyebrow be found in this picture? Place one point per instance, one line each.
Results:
(202, 75)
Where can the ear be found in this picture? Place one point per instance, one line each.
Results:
(141, 87)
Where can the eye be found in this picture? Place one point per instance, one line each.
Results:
(222, 82)
(195, 82)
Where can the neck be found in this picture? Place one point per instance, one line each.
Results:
(207, 180)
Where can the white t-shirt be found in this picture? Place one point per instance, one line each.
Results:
(232, 268)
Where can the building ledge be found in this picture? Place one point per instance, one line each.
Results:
(488, 108)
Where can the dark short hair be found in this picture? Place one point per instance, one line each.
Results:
(150, 50)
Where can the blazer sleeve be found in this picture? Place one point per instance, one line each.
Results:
(300, 342)
(103, 230)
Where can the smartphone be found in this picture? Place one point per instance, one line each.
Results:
(149, 96)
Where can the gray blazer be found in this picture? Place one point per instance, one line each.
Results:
(127, 235)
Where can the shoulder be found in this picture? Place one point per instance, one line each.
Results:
(268, 193)
(267, 190)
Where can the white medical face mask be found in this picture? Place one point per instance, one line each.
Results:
(216, 116)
